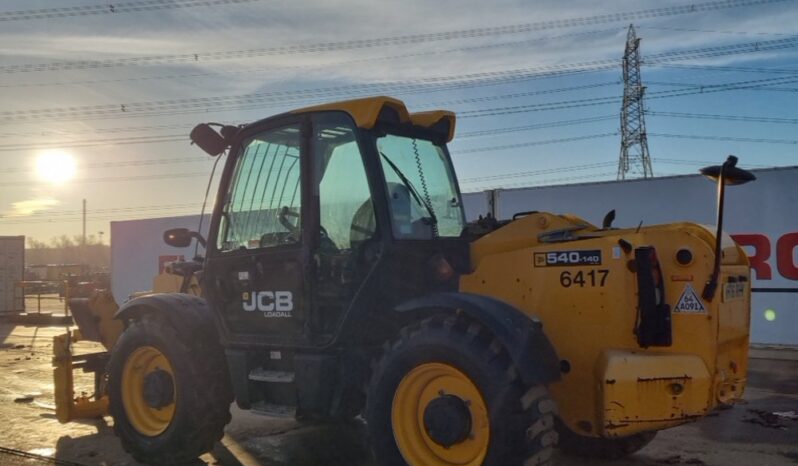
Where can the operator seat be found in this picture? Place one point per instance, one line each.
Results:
(364, 223)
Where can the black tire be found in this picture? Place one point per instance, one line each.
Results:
(606, 448)
(202, 392)
(521, 418)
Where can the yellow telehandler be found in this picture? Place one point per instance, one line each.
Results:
(341, 278)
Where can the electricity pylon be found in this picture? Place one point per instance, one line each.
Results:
(634, 161)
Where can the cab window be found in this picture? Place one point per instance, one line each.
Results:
(263, 205)
(346, 213)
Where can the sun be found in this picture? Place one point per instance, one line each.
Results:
(55, 166)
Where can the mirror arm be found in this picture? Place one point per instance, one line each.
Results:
(200, 239)
(712, 284)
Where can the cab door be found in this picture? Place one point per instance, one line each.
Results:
(256, 264)
(347, 243)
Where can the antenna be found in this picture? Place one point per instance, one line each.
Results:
(634, 161)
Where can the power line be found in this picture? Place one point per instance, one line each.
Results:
(117, 179)
(95, 142)
(455, 82)
(420, 85)
(697, 86)
(388, 41)
(160, 107)
(535, 143)
(604, 135)
(551, 124)
(723, 50)
(146, 208)
(122, 163)
(709, 116)
(725, 138)
(183, 138)
(742, 69)
(517, 95)
(93, 219)
(116, 213)
(548, 181)
(259, 70)
(591, 166)
(179, 209)
(702, 162)
(536, 172)
(110, 9)
(715, 31)
(697, 89)
(593, 101)
(171, 161)
(114, 130)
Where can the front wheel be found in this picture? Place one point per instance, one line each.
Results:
(169, 391)
(446, 393)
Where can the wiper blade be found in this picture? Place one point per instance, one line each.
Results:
(413, 191)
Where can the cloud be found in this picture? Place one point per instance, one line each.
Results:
(31, 206)
(345, 72)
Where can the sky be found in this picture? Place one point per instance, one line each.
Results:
(536, 86)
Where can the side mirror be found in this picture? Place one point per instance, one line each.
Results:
(181, 237)
(208, 139)
(177, 237)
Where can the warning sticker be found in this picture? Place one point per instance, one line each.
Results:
(689, 302)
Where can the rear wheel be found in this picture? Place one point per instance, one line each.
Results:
(607, 448)
(169, 392)
(446, 393)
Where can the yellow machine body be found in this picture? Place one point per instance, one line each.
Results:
(68, 406)
(94, 316)
(611, 386)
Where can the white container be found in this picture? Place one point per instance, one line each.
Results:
(12, 271)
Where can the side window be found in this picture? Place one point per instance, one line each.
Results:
(421, 186)
(346, 214)
(263, 206)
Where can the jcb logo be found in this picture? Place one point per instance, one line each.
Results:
(269, 301)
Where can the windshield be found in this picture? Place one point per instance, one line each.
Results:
(422, 195)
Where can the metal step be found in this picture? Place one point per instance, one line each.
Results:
(273, 410)
(262, 375)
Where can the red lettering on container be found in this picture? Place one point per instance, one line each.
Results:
(785, 259)
(758, 260)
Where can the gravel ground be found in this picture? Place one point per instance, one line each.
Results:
(748, 434)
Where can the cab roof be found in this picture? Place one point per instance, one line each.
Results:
(365, 112)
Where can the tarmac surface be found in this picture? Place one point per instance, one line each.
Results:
(748, 434)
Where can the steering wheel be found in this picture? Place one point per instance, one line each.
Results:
(324, 238)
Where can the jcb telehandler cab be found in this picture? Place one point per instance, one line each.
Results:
(330, 284)
(340, 277)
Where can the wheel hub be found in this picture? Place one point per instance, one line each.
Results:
(148, 391)
(447, 420)
(439, 417)
(159, 389)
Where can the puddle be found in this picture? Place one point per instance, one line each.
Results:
(47, 406)
(42, 451)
